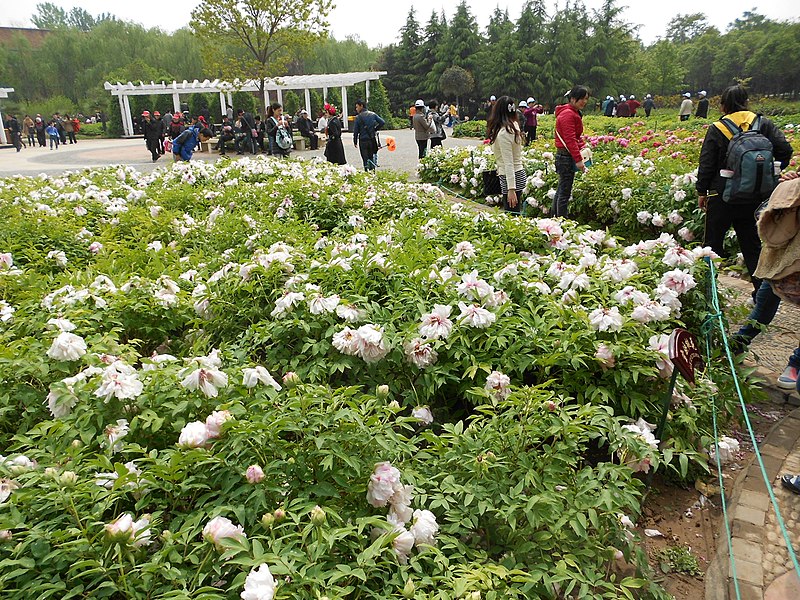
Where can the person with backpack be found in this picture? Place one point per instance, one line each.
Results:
(365, 133)
(737, 173)
(184, 145)
(279, 131)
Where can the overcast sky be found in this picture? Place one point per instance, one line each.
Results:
(378, 22)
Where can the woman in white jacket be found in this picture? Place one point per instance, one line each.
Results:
(504, 132)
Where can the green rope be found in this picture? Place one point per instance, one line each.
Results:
(717, 319)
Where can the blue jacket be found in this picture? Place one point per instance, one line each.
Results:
(367, 123)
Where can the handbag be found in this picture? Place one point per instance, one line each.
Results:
(491, 183)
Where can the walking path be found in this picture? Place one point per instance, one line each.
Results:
(763, 567)
(103, 152)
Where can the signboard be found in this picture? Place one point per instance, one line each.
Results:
(684, 353)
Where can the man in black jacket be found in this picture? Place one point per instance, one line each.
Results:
(702, 106)
(721, 215)
(249, 129)
(306, 128)
(152, 134)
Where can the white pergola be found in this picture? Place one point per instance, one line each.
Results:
(4, 92)
(225, 90)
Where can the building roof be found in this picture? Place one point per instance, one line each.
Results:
(35, 37)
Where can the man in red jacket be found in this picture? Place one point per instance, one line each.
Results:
(569, 132)
(633, 104)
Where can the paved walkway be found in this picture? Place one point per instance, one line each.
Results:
(763, 567)
(102, 152)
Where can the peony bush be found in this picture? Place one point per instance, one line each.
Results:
(285, 379)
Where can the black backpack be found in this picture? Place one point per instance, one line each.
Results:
(751, 160)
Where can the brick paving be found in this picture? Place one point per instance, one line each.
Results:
(763, 568)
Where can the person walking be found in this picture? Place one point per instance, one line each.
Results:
(52, 132)
(29, 131)
(702, 106)
(15, 130)
(569, 129)
(685, 111)
(506, 138)
(623, 108)
(422, 128)
(334, 149)
(735, 211)
(151, 130)
(365, 133)
(41, 131)
(648, 105)
(437, 120)
(633, 105)
(69, 129)
(610, 107)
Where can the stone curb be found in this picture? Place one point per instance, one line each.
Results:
(748, 507)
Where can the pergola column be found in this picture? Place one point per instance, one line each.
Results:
(345, 123)
(122, 115)
(308, 101)
(127, 114)
(3, 138)
(280, 96)
(176, 102)
(324, 94)
(366, 97)
(230, 99)
(222, 105)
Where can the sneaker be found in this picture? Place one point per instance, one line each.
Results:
(788, 379)
(791, 483)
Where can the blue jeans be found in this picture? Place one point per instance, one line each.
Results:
(766, 305)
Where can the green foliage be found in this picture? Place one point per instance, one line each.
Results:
(470, 129)
(379, 101)
(679, 559)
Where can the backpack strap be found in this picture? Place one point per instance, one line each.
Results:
(727, 127)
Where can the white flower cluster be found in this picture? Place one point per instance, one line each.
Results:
(198, 433)
(366, 342)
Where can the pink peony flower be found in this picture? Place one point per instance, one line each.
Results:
(254, 474)
(219, 529)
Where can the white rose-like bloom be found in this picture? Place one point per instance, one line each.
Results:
(61, 324)
(400, 511)
(605, 355)
(193, 435)
(424, 528)
(350, 313)
(6, 311)
(420, 353)
(372, 346)
(219, 528)
(464, 250)
(606, 319)
(67, 346)
(675, 217)
(215, 420)
(499, 384)
(285, 303)
(475, 316)
(59, 257)
(677, 256)
(319, 305)
(6, 487)
(643, 217)
(678, 281)
(423, 414)
(259, 585)
(6, 260)
(252, 377)
(436, 325)
(114, 434)
(119, 380)
(206, 380)
(626, 193)
(383, 484)
(346, 341)
(657, 220)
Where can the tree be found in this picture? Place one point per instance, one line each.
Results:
(50, 16)
(684, 28)
(254, 39)
(429, 50)
(665, 73)
(462, 42)
(457, 82)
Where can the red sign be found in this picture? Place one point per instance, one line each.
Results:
(685, 354)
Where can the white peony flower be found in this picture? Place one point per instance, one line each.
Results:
(383, 484)
(254, 474)
(498, 384)
(61, 324)
(420, 353)
(193, 435)
(606, 319)
(67, 346)
(58, 257)
(474, 315)
(6, 487)
(218, 529)
(125, 530)
(318, 305)
(285, 303)
(119, 381)
(214, 422)
(252, 377)
(423, 414)
(113, 435)
(678, 281)
(605, 355)
(259, 584)
(403, 544)
(424, 528)
(436, 325)
(207, 380)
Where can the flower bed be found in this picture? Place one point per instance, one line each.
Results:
(202, 367)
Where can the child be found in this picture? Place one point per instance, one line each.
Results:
(183, 146)
(53, 134)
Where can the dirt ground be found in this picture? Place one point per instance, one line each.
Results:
(692, 517)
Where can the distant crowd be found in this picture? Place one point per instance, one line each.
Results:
(37, 130)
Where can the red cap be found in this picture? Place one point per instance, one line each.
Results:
(146, 113)
(176, 117)
(156, 114)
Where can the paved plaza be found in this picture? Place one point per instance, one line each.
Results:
(102, 152)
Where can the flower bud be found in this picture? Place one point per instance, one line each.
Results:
(394, 405)
(68, 478)
(382, 392)
(77, 444)
(409, 589)
(550, 405)
(318, 516)
(475, 596)
(51, 472)
(291, 379)
(279, 515)
(254, 474)
(5, 535)
(166, 535)
(268, 520)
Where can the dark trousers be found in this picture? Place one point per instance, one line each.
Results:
(313, 140)
(720, 217)
(530, 133)
(223, 139)
(764, 309)
(565, 167)
(369, 153)
(152, 145)
(436, 142)
(423, 147)
(71, 137)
